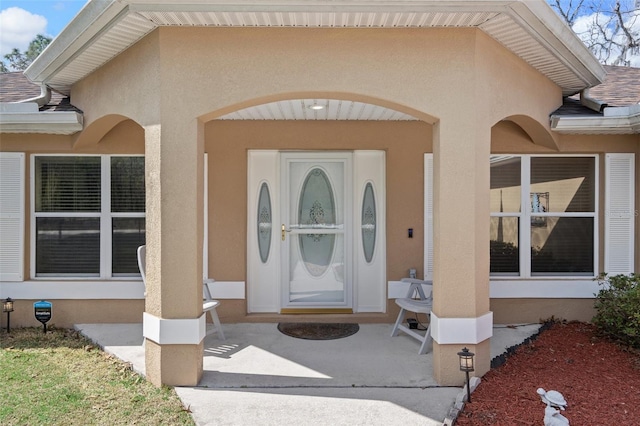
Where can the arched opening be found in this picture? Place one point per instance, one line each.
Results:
(383, 138)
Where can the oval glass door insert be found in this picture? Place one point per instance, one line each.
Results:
(317, 211)
(264, 222)
(368, 222)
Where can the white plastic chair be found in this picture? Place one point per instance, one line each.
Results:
(208, 305)
(421, 305)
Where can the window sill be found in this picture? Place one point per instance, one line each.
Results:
(116, 289)
(77, 289)
(544, 288)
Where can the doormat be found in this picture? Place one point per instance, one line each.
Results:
(318, 330)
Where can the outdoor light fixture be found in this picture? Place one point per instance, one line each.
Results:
(7, 307)
(316, 107)
(466, 365)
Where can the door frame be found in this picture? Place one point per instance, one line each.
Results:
(369, 288)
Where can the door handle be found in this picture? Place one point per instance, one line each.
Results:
(284, 231)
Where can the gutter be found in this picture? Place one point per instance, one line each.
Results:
(618, 120)
(25, 117)
(590, 102)
(43, 99)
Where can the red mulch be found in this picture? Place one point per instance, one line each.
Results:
(599, 380)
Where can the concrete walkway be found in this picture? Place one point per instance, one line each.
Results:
(259, 376)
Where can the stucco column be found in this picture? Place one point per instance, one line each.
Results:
(174, 325)
(461, 315)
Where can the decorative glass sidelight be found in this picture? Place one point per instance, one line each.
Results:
(264, 222)
(368, 222)
(317, 210)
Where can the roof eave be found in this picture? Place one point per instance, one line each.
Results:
(54, 123)
(551, 31)
(536, 18)
(622, 120)
(93, 19)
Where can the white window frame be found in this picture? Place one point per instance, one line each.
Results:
(105, 215)
(525, 215)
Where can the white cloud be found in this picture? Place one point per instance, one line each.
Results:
(18, 27)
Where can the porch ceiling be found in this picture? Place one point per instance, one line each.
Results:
(331, 109)
(105, 28)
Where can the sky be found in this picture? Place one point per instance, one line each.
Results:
(22, 20)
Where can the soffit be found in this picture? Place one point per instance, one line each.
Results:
(105, 28)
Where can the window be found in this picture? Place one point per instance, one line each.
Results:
(88, 215)
(543, 215)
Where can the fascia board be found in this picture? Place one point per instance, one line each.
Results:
(92, 20)
(63, 122)
(318, 6)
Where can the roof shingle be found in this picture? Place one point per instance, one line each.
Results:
(620, 88)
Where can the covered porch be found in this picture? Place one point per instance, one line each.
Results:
(262, 376)
(460, 81)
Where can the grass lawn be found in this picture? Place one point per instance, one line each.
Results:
(62, 378)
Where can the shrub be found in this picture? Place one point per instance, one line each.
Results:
(618, 308)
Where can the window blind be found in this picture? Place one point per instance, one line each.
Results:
(127, 184)
(67, 184)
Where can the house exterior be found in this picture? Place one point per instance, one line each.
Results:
(307, 155)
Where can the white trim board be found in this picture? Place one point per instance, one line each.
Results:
(523, 289)
(188, 331)
(449, 331)
(500, 289)
(85, 290)
(544, 289)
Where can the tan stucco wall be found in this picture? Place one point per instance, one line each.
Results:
(129, 85)
(235, 67)
(66, 312)
(518, 311)
(227, 143)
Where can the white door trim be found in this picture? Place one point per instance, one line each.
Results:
(263, 278)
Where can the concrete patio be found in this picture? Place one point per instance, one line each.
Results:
(259, 376)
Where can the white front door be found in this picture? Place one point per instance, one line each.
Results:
(316, 230)
(331, 254)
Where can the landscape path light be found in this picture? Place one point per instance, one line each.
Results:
(7, 307)
(466, 365)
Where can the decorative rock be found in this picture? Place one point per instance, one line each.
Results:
(474, 382)
(555, 402)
